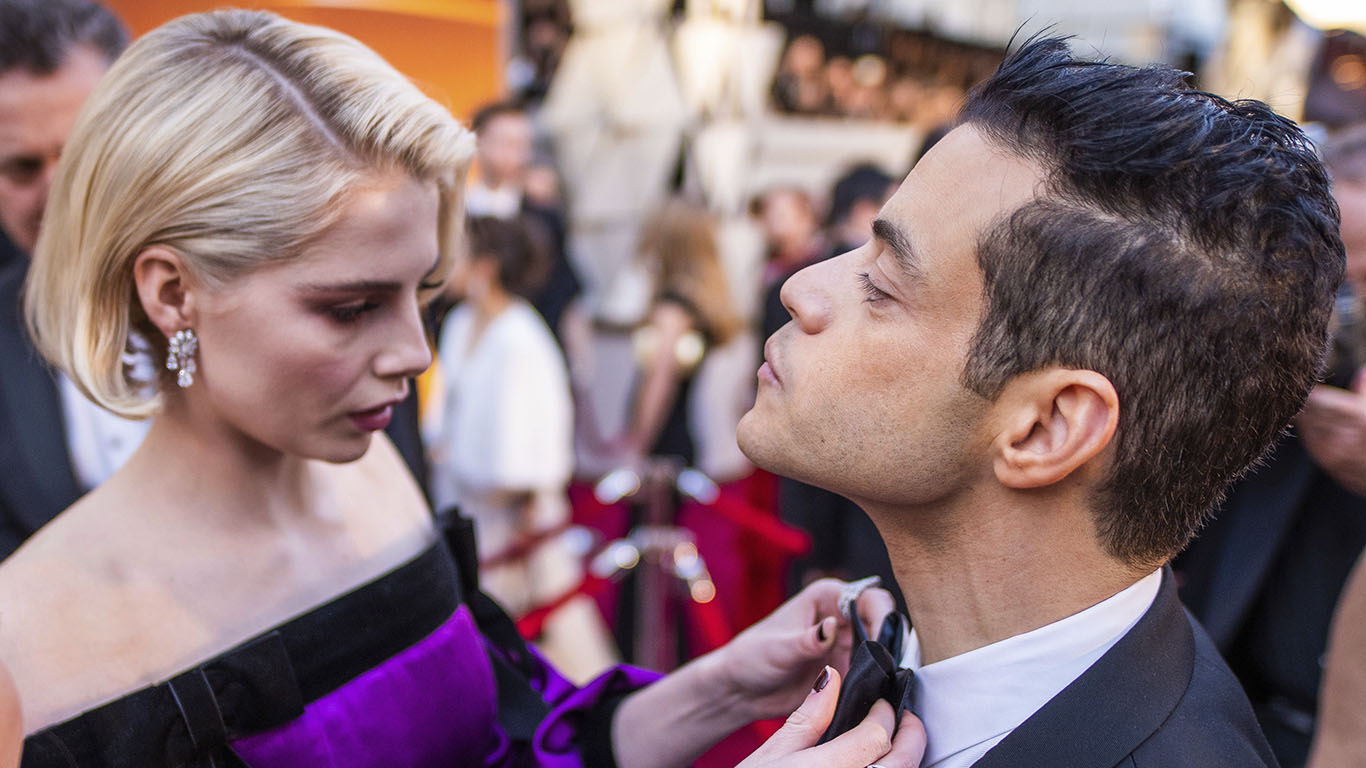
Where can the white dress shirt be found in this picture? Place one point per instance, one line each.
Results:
(972, 701)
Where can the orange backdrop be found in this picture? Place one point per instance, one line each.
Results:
(451, 48)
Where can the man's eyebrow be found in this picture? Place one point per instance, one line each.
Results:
(896, 239)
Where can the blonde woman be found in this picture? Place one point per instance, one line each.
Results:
(262, 584)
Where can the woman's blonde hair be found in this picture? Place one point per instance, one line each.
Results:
(680, 238)
(231, 138)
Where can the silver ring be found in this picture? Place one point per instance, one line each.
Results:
(876, 765)
(849, 596)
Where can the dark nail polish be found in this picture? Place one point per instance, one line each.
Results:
(822, 680)
(820, 631)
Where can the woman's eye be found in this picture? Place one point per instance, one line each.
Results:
(871, 292)
(350, 313)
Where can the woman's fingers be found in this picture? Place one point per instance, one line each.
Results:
(908, 748)
(873, 606)
(805, 725)
(870, 742)
(863, 744)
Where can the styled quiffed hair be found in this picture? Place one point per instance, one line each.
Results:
(1184, 246)
(232, 138)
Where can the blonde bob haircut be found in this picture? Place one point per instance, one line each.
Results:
(231, 138)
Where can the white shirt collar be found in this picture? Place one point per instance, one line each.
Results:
(972, 701)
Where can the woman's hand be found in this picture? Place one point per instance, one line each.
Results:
(763, 673)
(870, 742)
(767, 668)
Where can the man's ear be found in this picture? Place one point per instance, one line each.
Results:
(165, 288)
(1052, 422)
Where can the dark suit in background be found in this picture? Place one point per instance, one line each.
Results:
(36, 477)
(1264, 578)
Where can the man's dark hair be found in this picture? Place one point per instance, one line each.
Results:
(487, 113)
(1185, 247)
(518, 248)
(37, 35)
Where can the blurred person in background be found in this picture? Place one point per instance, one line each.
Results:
(57, 444)
(799, 86)
(791, 227)
(501, 442)
(1265, 575)
(855, 199)
(262, 583)
(506, 162)
(1340, 732)
(690, 312)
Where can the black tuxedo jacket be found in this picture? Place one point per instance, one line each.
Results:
(1162, 697)
(36, 478)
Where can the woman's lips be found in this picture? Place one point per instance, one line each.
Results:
(374, 419)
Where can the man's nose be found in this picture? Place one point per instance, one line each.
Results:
(807, 296)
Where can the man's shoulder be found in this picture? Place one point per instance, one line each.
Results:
(1213, 724)
(1161, 696)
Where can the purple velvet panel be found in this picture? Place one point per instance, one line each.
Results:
(433, 704)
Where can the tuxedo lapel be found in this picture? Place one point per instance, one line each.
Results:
(37, 480)
(1102, 717)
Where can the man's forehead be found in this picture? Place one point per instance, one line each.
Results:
(33, 106)
(959, 188)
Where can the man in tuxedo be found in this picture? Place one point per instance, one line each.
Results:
(55, 443)
(1038, 379)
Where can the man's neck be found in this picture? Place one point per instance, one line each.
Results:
(973, 578)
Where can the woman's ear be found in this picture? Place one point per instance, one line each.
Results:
(165, 289)
(1054, 421)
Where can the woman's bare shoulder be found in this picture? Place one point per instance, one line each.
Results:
(61, 608)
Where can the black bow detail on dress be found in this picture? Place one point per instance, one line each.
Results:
(874, 673)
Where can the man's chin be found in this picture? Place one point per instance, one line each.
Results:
(761, 445)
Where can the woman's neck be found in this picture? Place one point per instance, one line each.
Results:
(209, 469)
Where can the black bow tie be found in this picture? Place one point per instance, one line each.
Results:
(874, 673)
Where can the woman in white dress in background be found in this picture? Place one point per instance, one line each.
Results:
(501, 441)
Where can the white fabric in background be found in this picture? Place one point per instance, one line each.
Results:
(98, 441)
(507, 415)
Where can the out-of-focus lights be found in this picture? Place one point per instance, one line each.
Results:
(1349, 72)
(1331, 14)
(703, 591)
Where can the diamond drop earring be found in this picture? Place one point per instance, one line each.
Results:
(180, 357)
